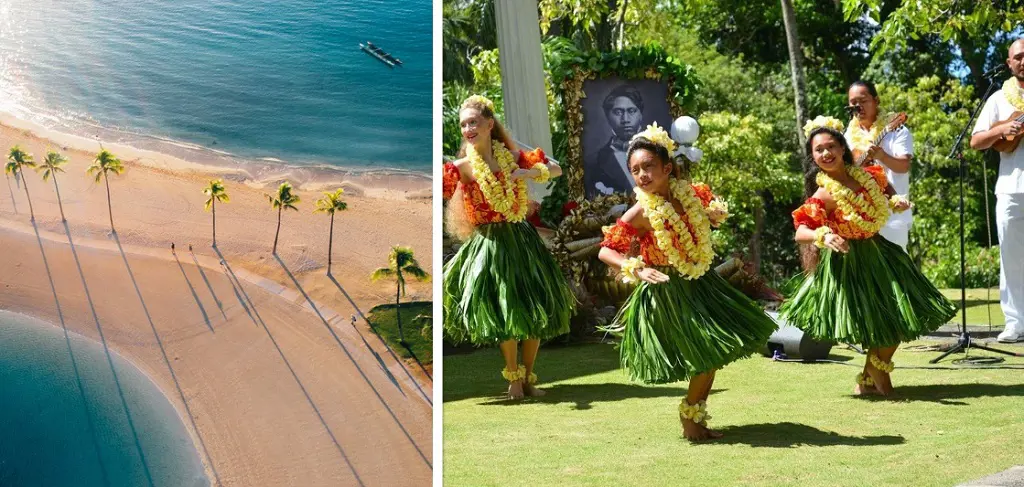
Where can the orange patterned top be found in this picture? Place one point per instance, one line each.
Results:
(813, 213)
(622, 237)
(478, 210)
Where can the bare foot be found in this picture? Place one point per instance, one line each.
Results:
(515, 390)
(860, 390)
(694, 432)
(533, 391)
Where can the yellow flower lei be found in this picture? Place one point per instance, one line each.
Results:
(514, 375)
(853, 204)
(823, 121)
(1012, 92)
(886, 367)
(545, 173)
(507, 197)
(819, 236)
(861, 139)
(895, 201)
(630, 268)
(698, 413)
(666, 221)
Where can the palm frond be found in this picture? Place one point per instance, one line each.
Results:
(417, 272)
(381, 273)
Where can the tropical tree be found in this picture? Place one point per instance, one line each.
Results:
(215, 191)
(52, 165)
(401, 262)
(331, 203)
(106, 162)
(426, 324)
(18, 160)
(284, 199)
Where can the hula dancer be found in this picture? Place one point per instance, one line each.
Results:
(865, 289)
(682, 321)
(503, 286)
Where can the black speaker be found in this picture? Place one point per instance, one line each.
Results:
(791, 341)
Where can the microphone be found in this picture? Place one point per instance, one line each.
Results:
(994, 71)
(852, 109)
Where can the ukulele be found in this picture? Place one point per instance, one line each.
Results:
(1010, 143)
(860, 157)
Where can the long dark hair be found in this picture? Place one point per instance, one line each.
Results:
(847, 153)
(643, 143)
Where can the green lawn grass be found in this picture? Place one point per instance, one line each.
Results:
(979, 303)
(785, 424)
(385, 322)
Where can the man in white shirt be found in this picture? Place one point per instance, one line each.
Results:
(1009, 191)
(894, 153)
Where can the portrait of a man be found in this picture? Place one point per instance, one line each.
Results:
(614, 111)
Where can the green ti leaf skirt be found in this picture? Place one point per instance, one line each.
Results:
(504, 284)
(873, 295)
(675, 330)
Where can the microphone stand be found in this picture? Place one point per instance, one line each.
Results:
(965, 342)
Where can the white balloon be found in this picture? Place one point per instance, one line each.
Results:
(685, 130)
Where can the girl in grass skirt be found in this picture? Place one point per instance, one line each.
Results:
(865, 288)
(682, 321)
(503, 286)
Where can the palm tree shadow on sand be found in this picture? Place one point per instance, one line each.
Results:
(391, 351)
(792, 435)
(258, 320)
(163, 352)
(110, 360)
(348, 354)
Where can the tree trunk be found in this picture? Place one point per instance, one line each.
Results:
(398, 311)
(278, 232)
(808, 255)
(330, 244)
(32, 213)
(621, 25)
(755, 239)
(59, 204)
(110, 210)
(213, 201)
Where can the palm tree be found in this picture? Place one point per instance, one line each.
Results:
(106, 162)
(283, 199)
(330, 203)
(215, 191)
(18, 160)
(426, 324)
(400, 262)
(52, 165)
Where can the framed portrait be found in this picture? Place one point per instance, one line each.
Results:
(606, 98)
(614, 110)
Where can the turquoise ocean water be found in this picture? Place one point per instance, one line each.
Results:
(63, 422)
(228, 81)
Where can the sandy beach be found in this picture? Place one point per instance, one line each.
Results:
(259, 357)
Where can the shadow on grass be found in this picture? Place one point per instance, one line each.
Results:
(74, 365)
(792, 435)
(385, 343)
(949, 394)
(478, 374)
(355, 364)
(583, 396)
(110, 360)
(240, 291)
(163, 352)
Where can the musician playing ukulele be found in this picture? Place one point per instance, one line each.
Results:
(893, 152)
(999, 127)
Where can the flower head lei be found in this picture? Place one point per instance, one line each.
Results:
(823, 121)
(659, 136)
(479, 99)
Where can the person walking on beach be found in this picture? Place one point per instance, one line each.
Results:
(683, 321)
(172, 247)
(503, 286)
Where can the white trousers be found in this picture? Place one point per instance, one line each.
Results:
(897, 229)
(1010, 226)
